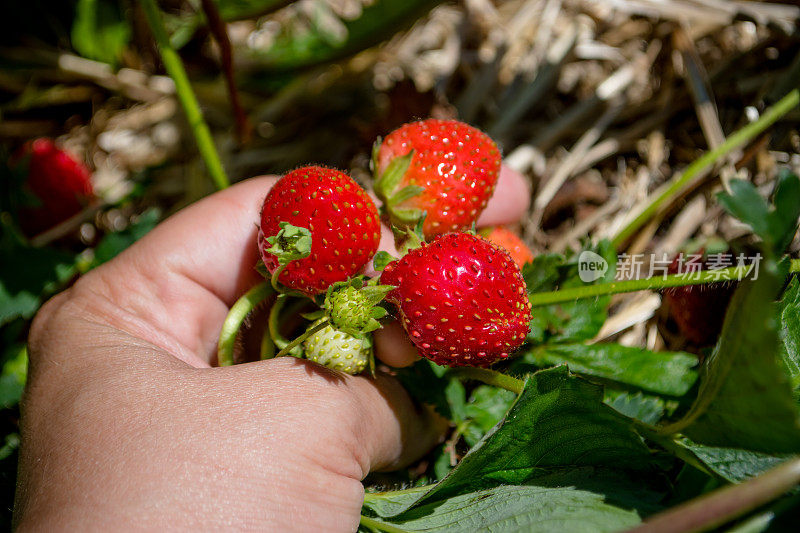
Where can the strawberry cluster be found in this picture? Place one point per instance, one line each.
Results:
(460, 297)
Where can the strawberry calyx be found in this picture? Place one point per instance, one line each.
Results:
(289, 244)
(352, 307)
(387, 188)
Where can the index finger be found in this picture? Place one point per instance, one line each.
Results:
(174, 287)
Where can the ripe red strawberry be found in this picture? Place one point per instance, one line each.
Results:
(61, 184)
(453, 172)
(698, 310)
(342, 219)
(510, 242)
(461, 299)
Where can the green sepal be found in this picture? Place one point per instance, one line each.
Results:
(378, 312)
(387, 183)
(382, 259)
(407, 217)
(261, 268)
(409, 191)
(351, 306)
(376, 148)
(313, 315)
(290, 244)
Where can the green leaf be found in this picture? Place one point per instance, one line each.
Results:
(775, 225)
(115, 243)
(100, 31)
(790, 333)
(733, 464)
(542, 274)
(518, 508)
(659, 372)
(425, 382)
(486, 408)
(14, 375)
(648, 409)
(382, 259)
(574, 321)
(378, 21)
(27, 275)
(559, 422)
(242, 9)
(783, 221)
(746, 203)
(745, 398)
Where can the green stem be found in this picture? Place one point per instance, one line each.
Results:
(174, 66)
(272, 323)
(275, 275)
(737, 139)
(490, 377)
(233, 322)
(654, 283)
(675, 448)
(380, 526)
(725, 504)
(267, 346)
(301, 338)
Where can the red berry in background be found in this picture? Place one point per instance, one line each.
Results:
(342, 219)
(456, 165)
(697, 310)
(461, 299)
(510, 242)
(60, 182)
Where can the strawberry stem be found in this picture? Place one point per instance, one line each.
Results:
(233, 322)
(736, 273)
(377, 525)
(723, 505)
(274, 279)
(490, 377)
(681, 183)
(288, 348)
(174, 67)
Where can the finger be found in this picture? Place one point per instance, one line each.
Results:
(393, 347)
(510, 201)
(381, 427)
(175, 286)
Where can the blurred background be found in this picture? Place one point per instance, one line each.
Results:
(597, 102)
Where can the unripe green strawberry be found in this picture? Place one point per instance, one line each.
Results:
(353, 308)
(337, 350)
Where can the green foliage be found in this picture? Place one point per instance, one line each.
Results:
(733, 464)
(514, 508)
(745, 396)
(776, 225)
(27, 275)
(241, 9)
(100, 31)
(574, 321)
(14, 374)
(557, 425)
(115, 243)
(486, 408)
(642, 407)
(320, 43)
(790, 334)
(667, 373)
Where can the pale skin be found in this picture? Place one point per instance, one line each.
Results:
(126, 424)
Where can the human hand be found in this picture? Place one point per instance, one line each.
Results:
(127, 425)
